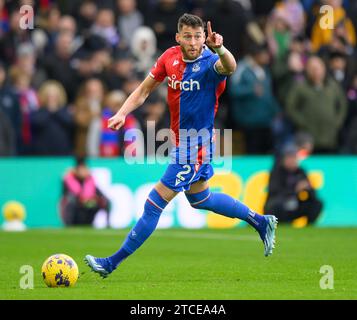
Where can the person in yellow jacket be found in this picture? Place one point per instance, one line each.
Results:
(343, 27)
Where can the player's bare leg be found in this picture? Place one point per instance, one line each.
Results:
(165, 192)
(200, 197)
(198, 186)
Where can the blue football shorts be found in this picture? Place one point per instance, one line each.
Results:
(180, 177)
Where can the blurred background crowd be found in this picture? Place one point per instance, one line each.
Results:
(62, 80)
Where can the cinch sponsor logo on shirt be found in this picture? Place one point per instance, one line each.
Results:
(190, 85)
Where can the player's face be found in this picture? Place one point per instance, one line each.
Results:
(191, 41)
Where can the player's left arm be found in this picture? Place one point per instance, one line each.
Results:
(226, 64)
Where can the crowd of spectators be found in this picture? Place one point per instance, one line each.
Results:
(62, 80)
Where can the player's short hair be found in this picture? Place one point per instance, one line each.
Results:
(190, 20)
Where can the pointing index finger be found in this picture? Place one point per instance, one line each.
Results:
(209, 28)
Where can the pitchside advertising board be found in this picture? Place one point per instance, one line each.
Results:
(36, 183)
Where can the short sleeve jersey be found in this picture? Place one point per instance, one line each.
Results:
(194, 87)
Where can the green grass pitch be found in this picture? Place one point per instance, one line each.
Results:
(188, 264)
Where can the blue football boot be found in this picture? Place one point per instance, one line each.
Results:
(102, 266)
(267, 233)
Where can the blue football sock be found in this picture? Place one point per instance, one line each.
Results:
(145, 226)
(225, 205)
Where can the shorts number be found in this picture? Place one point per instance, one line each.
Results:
(181, 173)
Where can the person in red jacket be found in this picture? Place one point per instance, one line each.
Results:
(81, 198)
